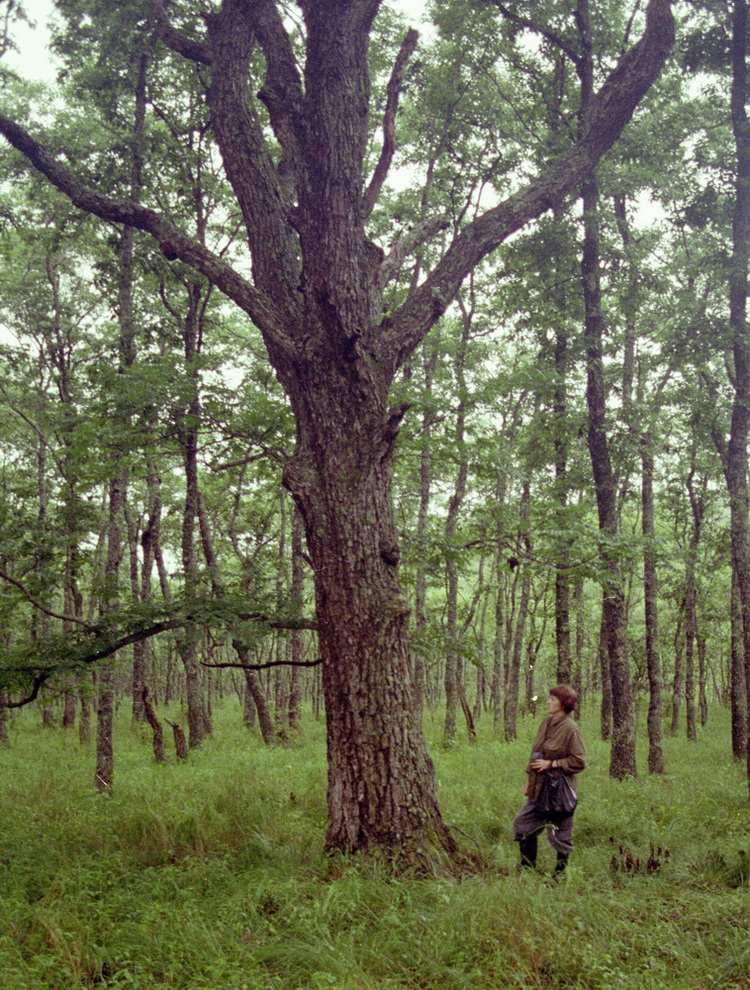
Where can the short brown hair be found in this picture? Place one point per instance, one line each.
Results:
(565, 694)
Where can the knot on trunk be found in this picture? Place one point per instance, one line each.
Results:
(390, 552)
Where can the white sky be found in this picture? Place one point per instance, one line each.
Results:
(32, 61)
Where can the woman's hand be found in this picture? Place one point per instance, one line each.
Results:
(539, 765)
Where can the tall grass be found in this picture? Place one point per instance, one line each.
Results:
(210, 875)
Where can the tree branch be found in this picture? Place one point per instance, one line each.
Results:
(194, 50)
(611, 109)
(409, 242)
(39, 681)
(42, 608)
(408, 47)
(265, 666)
(553, 38)
(174, 242)
(282, 90)
(264, 199)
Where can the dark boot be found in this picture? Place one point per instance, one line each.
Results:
(562, 862)
(527, 847)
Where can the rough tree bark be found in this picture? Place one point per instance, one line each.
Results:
(317, 296)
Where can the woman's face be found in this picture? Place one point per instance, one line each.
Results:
(553, 705)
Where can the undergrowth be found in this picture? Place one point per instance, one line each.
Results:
(210, 875)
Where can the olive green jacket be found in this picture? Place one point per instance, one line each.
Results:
(558, 738)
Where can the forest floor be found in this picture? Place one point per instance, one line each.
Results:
(210, 875)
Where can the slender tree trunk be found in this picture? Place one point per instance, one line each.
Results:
(498, 641)
(736, 455)
(580, 612)
(104, 773)
(614, 616)
(605, 710)
(678, 681)
(698, 506)
(737, 687)
(510, 710)
(140, 649)
(188, 432)
(429, 359)
(153, 721)
(295, 636)
(562, 573)
(453, 659)
(84, 721)
(651, 609)
(702, 672)
(4, 736)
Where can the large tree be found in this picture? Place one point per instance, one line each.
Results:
(316, 293)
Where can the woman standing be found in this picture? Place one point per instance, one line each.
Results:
(558, 748)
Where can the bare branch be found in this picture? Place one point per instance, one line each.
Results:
(265, 666)
(408, 47)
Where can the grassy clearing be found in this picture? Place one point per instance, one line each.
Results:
(209, 876)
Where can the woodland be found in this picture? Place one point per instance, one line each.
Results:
(371, 374)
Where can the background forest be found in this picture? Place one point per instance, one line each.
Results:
(569, 483)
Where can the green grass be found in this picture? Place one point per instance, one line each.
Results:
(210, 875)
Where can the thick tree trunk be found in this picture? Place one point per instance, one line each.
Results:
(381, 781)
